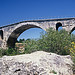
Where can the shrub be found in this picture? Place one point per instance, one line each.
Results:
(31, 46)
(72, 51)
(54, 41)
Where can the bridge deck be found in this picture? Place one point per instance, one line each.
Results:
(40, 20)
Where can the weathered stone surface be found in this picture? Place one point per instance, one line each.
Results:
(37, 63)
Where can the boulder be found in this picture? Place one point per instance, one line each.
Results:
(36, 63)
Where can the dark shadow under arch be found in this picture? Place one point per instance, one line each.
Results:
(1, 34)
(72, 30)
(16, 33)
(58, 25)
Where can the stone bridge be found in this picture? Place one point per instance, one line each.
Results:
(10, 33)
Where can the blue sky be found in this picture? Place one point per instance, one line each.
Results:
(12, 11)
(32, 33)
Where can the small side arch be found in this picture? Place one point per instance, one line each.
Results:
(58, 25)
(1, 34)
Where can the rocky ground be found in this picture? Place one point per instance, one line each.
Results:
(37, 63)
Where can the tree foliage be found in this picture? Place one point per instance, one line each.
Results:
(56, 42)
(72, 51)
(31, 46)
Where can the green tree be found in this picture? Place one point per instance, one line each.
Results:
(56, 42)
(30, 46)
(21, 40)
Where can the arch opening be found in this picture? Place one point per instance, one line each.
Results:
(32, 33)
(16, 33)
(73, 33)
(58, 25)
(72, 30)
(1, 34)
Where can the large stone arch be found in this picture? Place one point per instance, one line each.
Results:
(15, 33)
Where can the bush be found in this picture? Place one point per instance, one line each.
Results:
(8, 52)
(72, 51)
(31, 46)
(52, 41)
(11, 51)
(56, 42)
